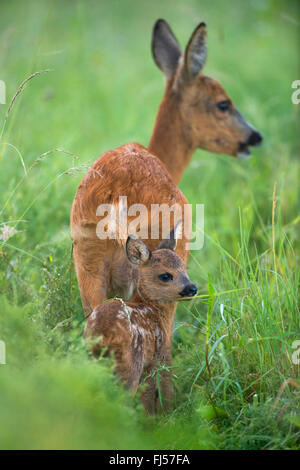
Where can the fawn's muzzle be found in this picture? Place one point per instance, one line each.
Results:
(189, 291)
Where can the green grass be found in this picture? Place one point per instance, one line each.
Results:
(103, 91)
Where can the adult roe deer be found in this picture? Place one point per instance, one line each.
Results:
(137, 332)
(195, 112)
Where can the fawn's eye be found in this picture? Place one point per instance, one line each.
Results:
(224, 106)
(166, 277)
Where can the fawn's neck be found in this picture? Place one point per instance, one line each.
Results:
(170, 141)
(165, 312)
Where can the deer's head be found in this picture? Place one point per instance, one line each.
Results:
(208, 117)
(161, 272)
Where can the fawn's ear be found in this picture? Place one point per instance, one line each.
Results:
(195, 53)
(171, 242)
(136, 250)
(165, 48)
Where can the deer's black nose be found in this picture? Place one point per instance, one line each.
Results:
(189, 291)
(255, 139)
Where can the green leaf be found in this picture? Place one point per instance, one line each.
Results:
(210, 412)
(294, 419)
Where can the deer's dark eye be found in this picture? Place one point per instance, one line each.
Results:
(224, 106)
(166, 277)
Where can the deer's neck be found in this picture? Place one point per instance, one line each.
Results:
(170, 138)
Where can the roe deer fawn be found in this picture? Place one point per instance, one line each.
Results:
(138, 333)
(195, 112)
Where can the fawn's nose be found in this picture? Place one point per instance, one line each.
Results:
(189, 290)
(255, 139)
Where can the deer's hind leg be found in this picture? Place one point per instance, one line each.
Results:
(92, 263)
(130, 364)
(149, 393)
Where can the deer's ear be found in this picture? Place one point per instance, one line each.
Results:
(165, 48)
(195, 53)
(171, 242)
(136, 250)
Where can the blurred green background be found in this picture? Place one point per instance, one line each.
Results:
(103, 91)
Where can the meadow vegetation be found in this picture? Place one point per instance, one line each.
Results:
(236, 384)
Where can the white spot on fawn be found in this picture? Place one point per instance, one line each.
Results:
(93, 315)
(158, 336)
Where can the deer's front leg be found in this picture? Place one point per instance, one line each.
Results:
(149, 392)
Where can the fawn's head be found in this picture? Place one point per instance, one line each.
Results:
(161, 273)
(208, 117)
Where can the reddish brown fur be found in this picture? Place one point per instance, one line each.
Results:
(101, 265)
(139, 333)
(188, 118)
